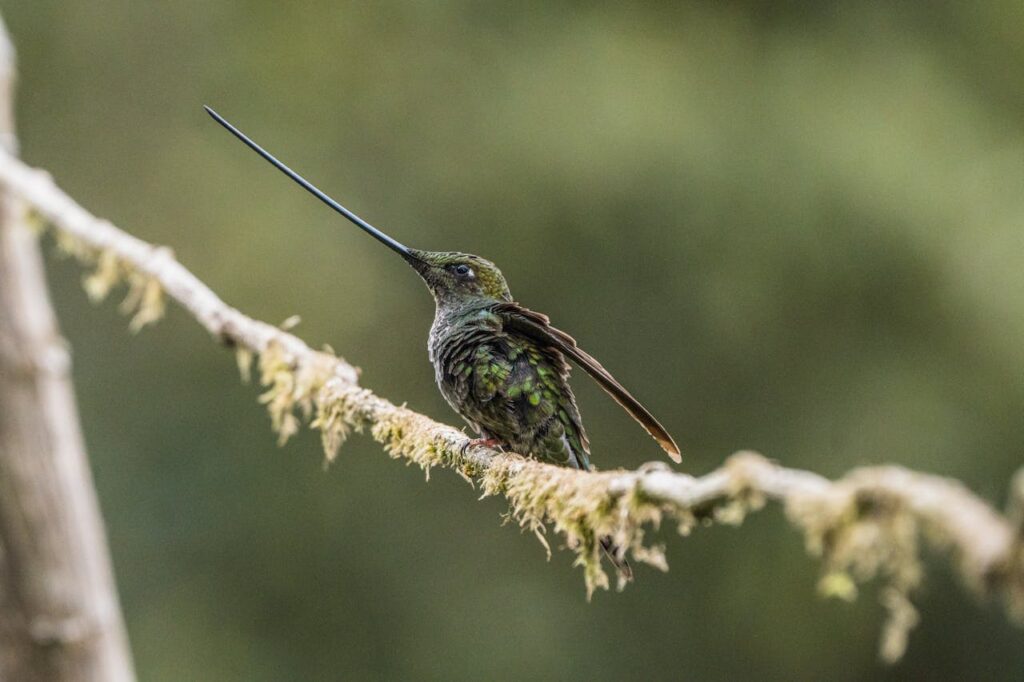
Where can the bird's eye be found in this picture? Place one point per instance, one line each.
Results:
(463, 270)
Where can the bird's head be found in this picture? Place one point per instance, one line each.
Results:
(458, 278)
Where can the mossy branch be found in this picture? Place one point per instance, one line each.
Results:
(867, 524)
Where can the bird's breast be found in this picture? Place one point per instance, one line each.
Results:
(451, 330)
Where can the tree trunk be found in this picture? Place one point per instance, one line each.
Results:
(59, 615)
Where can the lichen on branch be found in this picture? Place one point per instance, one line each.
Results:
(106, 271)
(870, 524)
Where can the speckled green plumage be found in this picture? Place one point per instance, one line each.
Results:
(508, 386)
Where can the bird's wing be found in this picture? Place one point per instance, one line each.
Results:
(538, 327)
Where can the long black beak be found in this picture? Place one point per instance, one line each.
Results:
(392, 244)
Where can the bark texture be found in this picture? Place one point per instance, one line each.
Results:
(60, 620)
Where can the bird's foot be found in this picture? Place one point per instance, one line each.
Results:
(484, 442)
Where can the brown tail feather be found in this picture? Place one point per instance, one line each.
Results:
(538, 326)
(624, 398)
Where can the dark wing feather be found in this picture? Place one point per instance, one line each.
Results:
(538, 327)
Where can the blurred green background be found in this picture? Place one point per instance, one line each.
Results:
(790, 226)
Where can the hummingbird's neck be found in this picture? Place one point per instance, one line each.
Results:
(452, 309)
(454, 321)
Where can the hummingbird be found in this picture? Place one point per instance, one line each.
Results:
(502, 367)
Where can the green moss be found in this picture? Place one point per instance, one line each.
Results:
(580, 507)
(858, 532)
(145, 301)
(862, 534)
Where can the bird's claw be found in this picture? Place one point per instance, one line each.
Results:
(483, 442)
